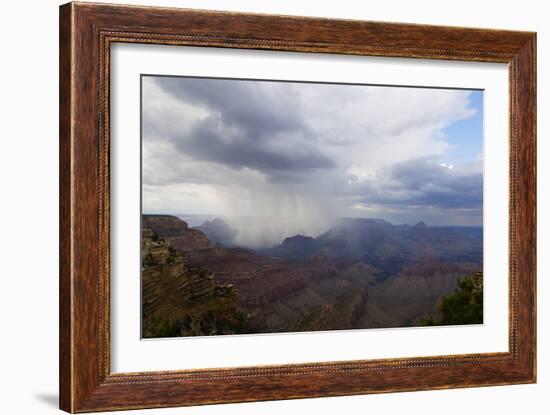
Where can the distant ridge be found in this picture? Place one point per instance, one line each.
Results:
(420, 225)
(386, 246)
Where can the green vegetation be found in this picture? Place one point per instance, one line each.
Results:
(464, 306)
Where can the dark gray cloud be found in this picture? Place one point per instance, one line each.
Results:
(211, 140)
(241, 104)
(425, 182)
(247, 127)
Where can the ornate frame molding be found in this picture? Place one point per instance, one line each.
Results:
(86, 33)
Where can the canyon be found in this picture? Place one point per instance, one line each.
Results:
(362, 273)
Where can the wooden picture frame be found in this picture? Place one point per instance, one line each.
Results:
(86, 33)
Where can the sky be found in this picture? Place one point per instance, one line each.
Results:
(299, 155)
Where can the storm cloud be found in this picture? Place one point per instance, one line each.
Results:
(303, 154)
(249, 125)
(425, 182)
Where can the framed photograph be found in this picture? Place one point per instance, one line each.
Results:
(258, 207)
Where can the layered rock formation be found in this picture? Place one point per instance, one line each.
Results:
(182, 300)
(176, 233)
(412, 293)
(339, 315)
(260, 280)
(364, 274)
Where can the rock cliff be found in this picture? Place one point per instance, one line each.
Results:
(182, 300)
